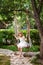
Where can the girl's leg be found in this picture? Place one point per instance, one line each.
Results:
(20, 49)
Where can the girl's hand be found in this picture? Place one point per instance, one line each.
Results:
(16, 37)
(25, 39)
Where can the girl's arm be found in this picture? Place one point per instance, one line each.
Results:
(16, 37)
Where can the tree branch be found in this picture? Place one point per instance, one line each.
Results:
(40, 6)
(5, 24)
(26, 11)
(34, 5)
(37, 17)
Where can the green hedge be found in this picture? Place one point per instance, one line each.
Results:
(34, 35)
(6, 36)
(35, 48)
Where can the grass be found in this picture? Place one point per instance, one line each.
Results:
(14, 48)
(4, 60)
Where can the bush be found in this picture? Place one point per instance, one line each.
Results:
(34, 35)
(24, 32)
(6, 36)
(10, 47)
(35, 48)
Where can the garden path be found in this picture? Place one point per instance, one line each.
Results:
(14, 59)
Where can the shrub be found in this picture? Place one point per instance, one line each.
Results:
(35, 48)
(6, 36)
(34, 35)
(24, 32)
(10, 47)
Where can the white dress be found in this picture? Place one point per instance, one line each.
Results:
(22, 43)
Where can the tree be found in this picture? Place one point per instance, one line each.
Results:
(28, 27)
(9, 8)
(16, 25)
(6, 12)
(37, 11)
(35, 8)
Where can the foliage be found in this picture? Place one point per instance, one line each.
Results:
(6, 7)
(6, 36)
(24, 32)
(34, 48)
(9, 8)
(34, 34)
(14, 48)
(6, 12)
(10, 47)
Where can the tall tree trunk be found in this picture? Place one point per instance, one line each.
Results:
(39, 26)
(17, 26)
(28, 28)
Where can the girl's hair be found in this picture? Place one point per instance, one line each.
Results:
(20, 33)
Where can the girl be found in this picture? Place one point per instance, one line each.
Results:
(22, 43)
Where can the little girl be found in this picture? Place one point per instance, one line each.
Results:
(22, 43)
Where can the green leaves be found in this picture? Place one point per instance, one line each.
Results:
(6, 10)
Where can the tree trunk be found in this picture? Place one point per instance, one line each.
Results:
(40, 34)
(28, 28)
(41, 48)
(39, 26)
(16, 26)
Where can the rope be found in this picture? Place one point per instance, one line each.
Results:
(30, 42)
